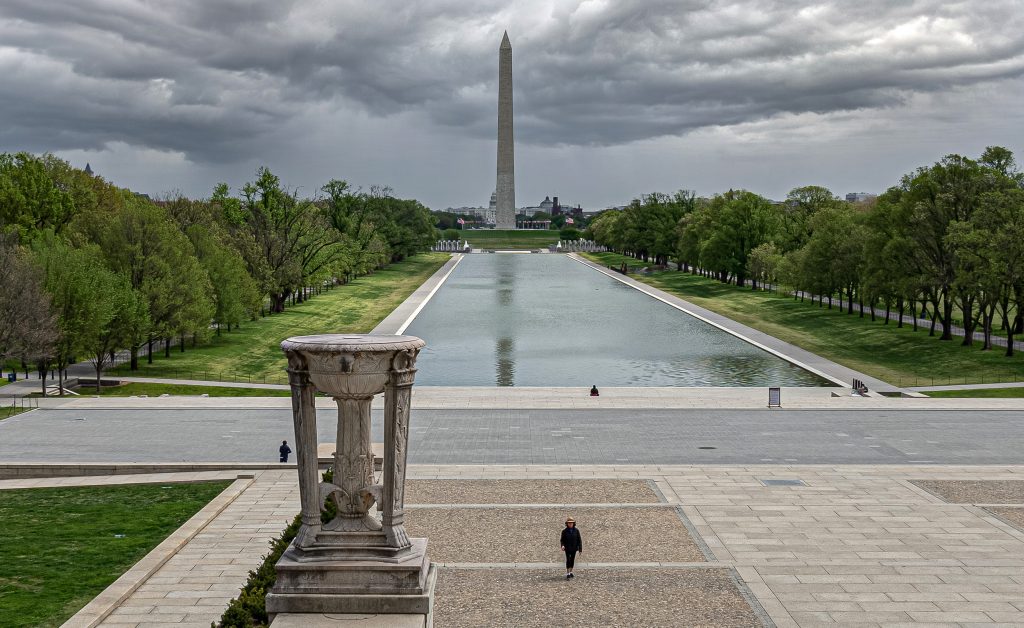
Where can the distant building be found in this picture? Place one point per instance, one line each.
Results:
(88, 169)
(859, 197)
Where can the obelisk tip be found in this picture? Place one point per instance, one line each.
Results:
(505, 43)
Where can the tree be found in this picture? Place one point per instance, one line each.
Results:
(236, 295)
(79, 287)
(141, 243)
(27, 323)
(127, 326)
(288, 241)
(796, 212)
(834, 252)
(737, 223)
(30, 201)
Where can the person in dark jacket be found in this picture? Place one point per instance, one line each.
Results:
(593, 391)
(572, 543)
(284, 450)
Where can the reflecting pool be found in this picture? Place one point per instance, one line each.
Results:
(546, 320)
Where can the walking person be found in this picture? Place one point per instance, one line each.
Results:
(572, 544)
(284, 450)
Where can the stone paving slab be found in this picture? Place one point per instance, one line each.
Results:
(1013, 516)
(530, 492)
(596, 597)
(858, 544)
(976, 491)
(530, 535)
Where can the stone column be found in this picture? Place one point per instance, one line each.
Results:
(397, 398)
(304, 418)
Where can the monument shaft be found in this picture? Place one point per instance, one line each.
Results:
(505, 210)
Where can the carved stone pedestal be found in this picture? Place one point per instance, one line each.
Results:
(355, 563)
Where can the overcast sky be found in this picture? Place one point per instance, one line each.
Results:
(613, 98)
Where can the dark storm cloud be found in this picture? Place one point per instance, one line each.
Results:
(212, 79)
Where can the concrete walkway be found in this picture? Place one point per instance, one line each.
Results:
(848, 545)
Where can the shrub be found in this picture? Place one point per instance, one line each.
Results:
(249, 609)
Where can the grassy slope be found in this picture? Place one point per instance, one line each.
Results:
(254, 351)
(510, 240)
(58, 549)
(899, 356)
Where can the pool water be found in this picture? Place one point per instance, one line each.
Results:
(547, 320)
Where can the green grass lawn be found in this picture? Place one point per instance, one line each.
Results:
(253, 352)
(991, 393)
(60, 547)
(155, 390)
(7, 411)
(899, 356)
(525, 239)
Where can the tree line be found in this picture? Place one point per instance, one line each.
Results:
(947, 240)
(90, 268)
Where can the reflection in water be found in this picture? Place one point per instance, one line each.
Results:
(505, 361)
(506, 283)
(545, 320)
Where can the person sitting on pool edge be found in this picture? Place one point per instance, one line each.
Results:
(593, 391)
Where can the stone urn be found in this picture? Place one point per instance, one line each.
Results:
(354, 563)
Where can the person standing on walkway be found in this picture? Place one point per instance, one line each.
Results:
(572, 543)
(284, 450)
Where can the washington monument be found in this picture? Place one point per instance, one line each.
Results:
(505, 209)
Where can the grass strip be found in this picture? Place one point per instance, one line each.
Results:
(61, 547)
(899, 356)
(252, 353)
(155, 390)
(510, 240)
(980, 393)
(7, 412)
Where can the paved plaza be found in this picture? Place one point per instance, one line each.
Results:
(850, 544)
(536, 436)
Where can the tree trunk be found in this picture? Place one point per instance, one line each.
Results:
(913, 312)
(181, 343)
(987, 314)
(99, 373)
(1009, 339)
(899, 309)
(149, 350)
(134, 362)
(970, 323)
(167, 347)
(947, 316)
(888, 308)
